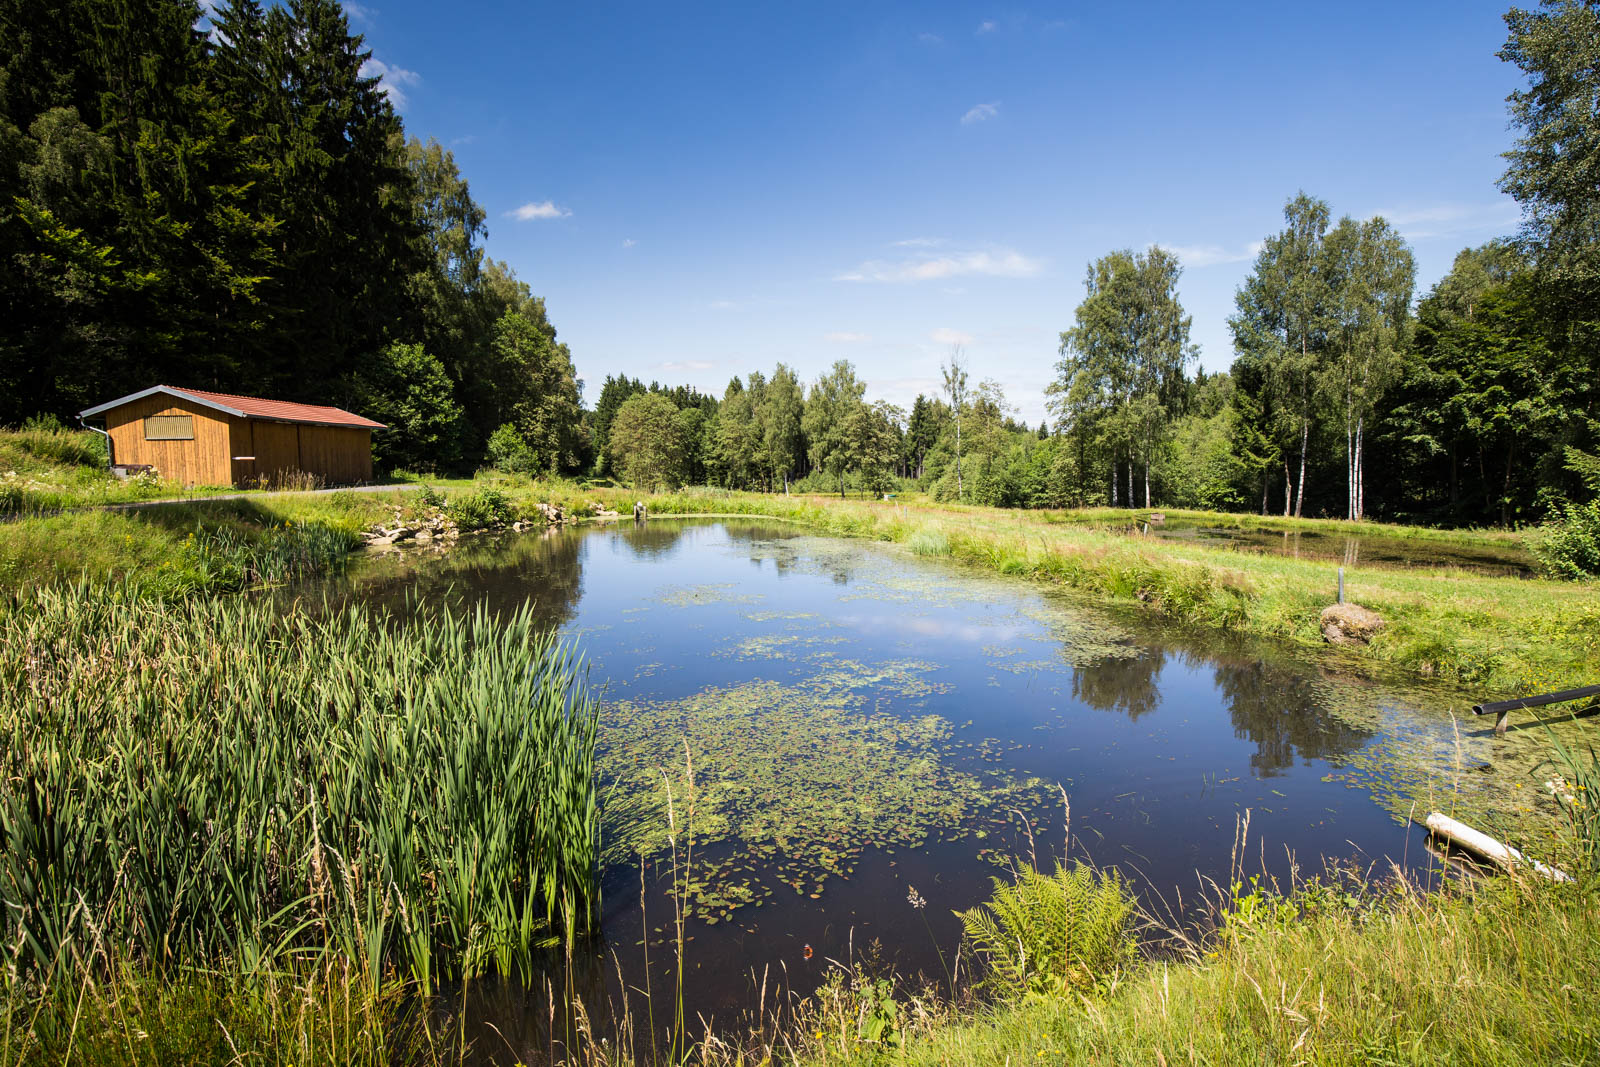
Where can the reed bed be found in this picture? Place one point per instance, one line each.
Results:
(218, 781)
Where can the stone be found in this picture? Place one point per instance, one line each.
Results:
(1349, 624)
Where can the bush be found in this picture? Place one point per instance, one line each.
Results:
(1046, 935)
(1568, 546)
(481, 509)
(508, 451)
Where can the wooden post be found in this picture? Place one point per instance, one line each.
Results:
(1341, 585)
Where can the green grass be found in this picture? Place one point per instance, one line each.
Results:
(1502, 975)
(45, 469)
(219, 780)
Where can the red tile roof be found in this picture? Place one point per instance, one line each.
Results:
(281, 410)
(251, 407)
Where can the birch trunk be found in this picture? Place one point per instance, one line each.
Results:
(1300, 490)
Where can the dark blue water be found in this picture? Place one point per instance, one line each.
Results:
(863, 721)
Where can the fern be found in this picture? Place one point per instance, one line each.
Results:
(1584, 466)
(1052, 934)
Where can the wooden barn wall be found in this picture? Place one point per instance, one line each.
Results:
(206, 460)
(339, 454)
(276, 448)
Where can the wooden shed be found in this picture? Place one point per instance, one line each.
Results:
(201, 438)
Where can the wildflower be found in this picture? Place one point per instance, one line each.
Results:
(1562, 790)
(915, 899)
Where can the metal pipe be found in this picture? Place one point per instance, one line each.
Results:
(111, 446)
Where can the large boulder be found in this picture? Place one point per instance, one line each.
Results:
(1349, 624)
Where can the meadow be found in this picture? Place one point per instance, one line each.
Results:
(321, 873)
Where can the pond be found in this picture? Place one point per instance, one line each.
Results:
(861, 722)
(1363, 549)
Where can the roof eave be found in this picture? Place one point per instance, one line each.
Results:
(167, 389)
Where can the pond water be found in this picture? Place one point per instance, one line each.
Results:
(1351, 550)
(861, 722)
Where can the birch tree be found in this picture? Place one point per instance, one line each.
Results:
(1122, 366)
(1371, 274)
(955, 387)
(1282, 319)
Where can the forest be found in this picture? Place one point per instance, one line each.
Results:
(226, 199)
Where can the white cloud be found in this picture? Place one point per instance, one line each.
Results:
(844, 337)
(1001, 263)
(538, 209)
(980, 113)
(722, 305)
(944, 335)
(986, 26)
(902, 390)
(358, 11)
(1211, 255)
(686, 364)
(929, 38)
(1449, 219)
(920, 242)
(392, 81)
(628, 242)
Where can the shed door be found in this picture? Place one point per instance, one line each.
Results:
(277, 449)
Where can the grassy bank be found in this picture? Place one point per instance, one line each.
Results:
(46, 468)
(1503, 975)
(1496, 634)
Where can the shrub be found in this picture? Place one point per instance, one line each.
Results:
(1568, 546)
(508, 451)
(1045, 935)
(481, 509)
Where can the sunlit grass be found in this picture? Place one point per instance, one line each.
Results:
(219, 780)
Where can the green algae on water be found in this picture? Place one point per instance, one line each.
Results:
(794, 783)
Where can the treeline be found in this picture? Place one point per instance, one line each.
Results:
(234, 205)
(1478, 404)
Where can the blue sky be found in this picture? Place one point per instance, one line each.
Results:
(702, 191)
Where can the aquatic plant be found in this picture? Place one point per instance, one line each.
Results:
(928, 541)
(794, 783)
(217, 778)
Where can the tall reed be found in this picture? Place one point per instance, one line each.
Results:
(220, 779)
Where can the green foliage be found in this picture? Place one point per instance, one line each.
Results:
(833, 400)
(508, 451)
(407, 389)
(1568, 544)
(1575, 788)
(1121, 374)
(647, 442)
(1050, 935)
(1551, 169)
(1400, 983)
(241, 209)
(481, 509)
(417, 799)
